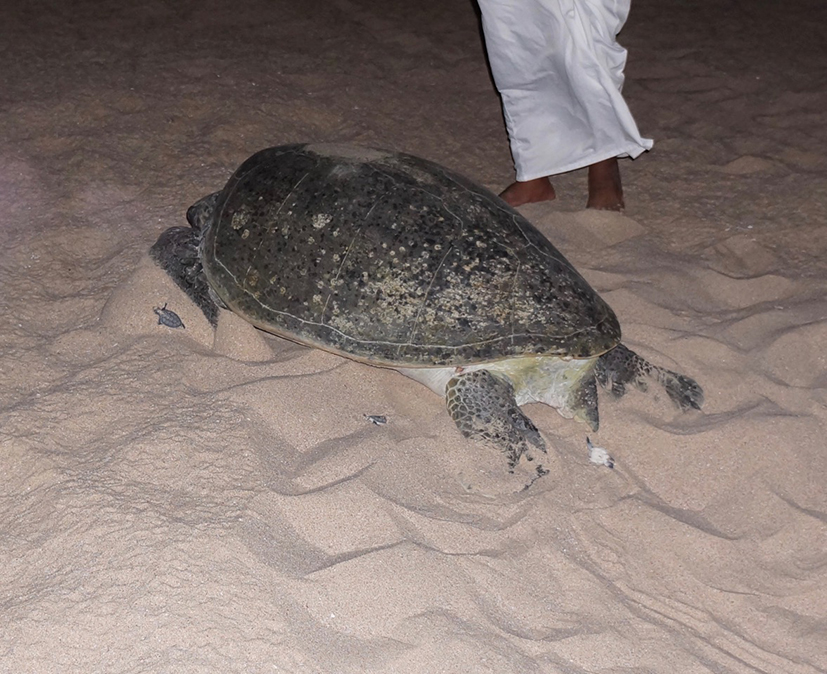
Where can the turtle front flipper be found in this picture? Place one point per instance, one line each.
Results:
(618, 368)
(484, 408)
(176, 252)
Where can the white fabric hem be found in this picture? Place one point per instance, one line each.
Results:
(632, 152)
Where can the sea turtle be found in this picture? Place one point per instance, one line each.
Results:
(397, 262)
(168, 317)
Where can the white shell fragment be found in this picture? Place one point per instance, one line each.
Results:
(599, 455)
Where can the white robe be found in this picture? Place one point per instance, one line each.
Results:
(559, 71)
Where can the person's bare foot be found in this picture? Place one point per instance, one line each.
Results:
(605, 190)
(528, 191)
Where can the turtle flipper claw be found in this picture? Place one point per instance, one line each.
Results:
(620, 367)
(484, 408)
(684, 391)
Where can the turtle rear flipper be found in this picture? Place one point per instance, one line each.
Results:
(484, 408)
(618, 368)
(176, 252)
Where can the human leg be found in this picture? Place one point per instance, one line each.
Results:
(605, 189)
(559, 71)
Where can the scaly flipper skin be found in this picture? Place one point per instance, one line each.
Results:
(176, 252)
(483, 408)
(583, 402)
(618, 368)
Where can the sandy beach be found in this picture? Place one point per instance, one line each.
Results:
(212, 501)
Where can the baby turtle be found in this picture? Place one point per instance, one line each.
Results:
(398, 262)
(168, 317)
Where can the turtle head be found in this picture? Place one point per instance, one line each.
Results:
(200, 213)
(177, 252)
